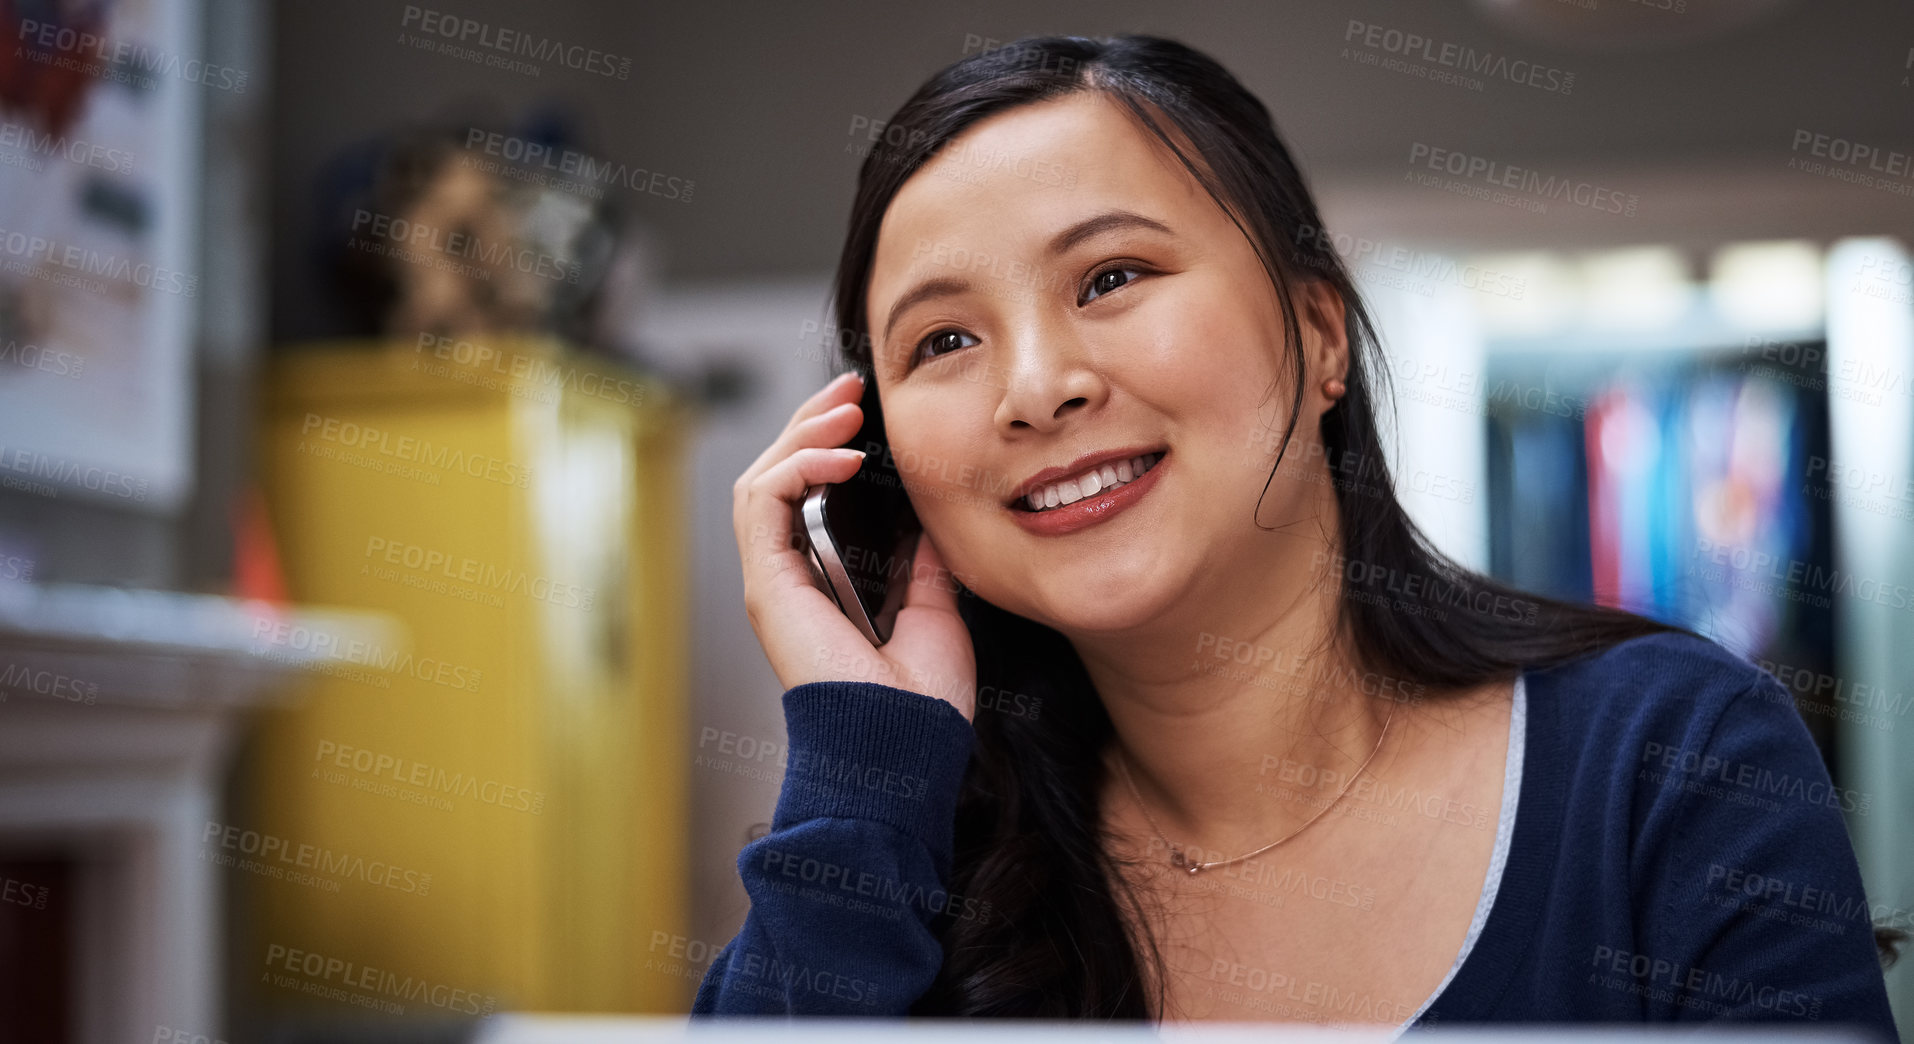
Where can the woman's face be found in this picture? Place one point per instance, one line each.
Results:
(1085, 298)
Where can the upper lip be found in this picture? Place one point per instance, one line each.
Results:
(1078, 467)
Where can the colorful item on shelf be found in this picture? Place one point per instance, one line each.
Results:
(1694, 482)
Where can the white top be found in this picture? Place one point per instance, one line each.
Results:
(1504, 832)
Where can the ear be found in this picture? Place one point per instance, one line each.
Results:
(1321, 315)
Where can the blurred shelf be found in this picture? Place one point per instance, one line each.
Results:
(151, 648)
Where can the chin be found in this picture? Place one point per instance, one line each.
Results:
(1110, 604)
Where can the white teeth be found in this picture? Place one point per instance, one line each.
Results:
(1089, 484)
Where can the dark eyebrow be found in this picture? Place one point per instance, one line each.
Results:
(1108, 221)
(1096, 225)
(927, 290)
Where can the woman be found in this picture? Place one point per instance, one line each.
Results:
(1208, 730)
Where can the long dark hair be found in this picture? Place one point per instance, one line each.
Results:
(1029, 844)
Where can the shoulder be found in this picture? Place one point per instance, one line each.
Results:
(1668, 687)
(1669, 659)
(1658, 726)
(1669, 774)
(1657, 721)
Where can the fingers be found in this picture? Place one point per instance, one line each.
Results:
(769, 505)
(848, 383)
(845, 387)
(827, 418)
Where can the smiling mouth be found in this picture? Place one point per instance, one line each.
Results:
(1090, 483)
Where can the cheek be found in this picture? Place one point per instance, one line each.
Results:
(1212, 365)
(1211, 337)
(936, 450)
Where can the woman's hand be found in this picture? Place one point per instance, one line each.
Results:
(804, 634)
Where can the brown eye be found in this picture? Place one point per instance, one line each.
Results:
(1107, 280)
(948, 340)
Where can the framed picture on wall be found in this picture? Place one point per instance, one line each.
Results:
(100, 165)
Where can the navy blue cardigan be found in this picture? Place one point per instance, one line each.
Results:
(1679, 854)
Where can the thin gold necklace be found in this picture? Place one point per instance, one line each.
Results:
(1178, 859)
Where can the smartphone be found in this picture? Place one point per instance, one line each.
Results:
(859, 535)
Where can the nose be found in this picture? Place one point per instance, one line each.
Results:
(1051, 375)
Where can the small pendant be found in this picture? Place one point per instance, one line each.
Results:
(1194, 867)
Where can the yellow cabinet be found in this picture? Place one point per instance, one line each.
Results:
(492, 817)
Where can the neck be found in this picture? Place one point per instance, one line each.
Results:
(1240, 718)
